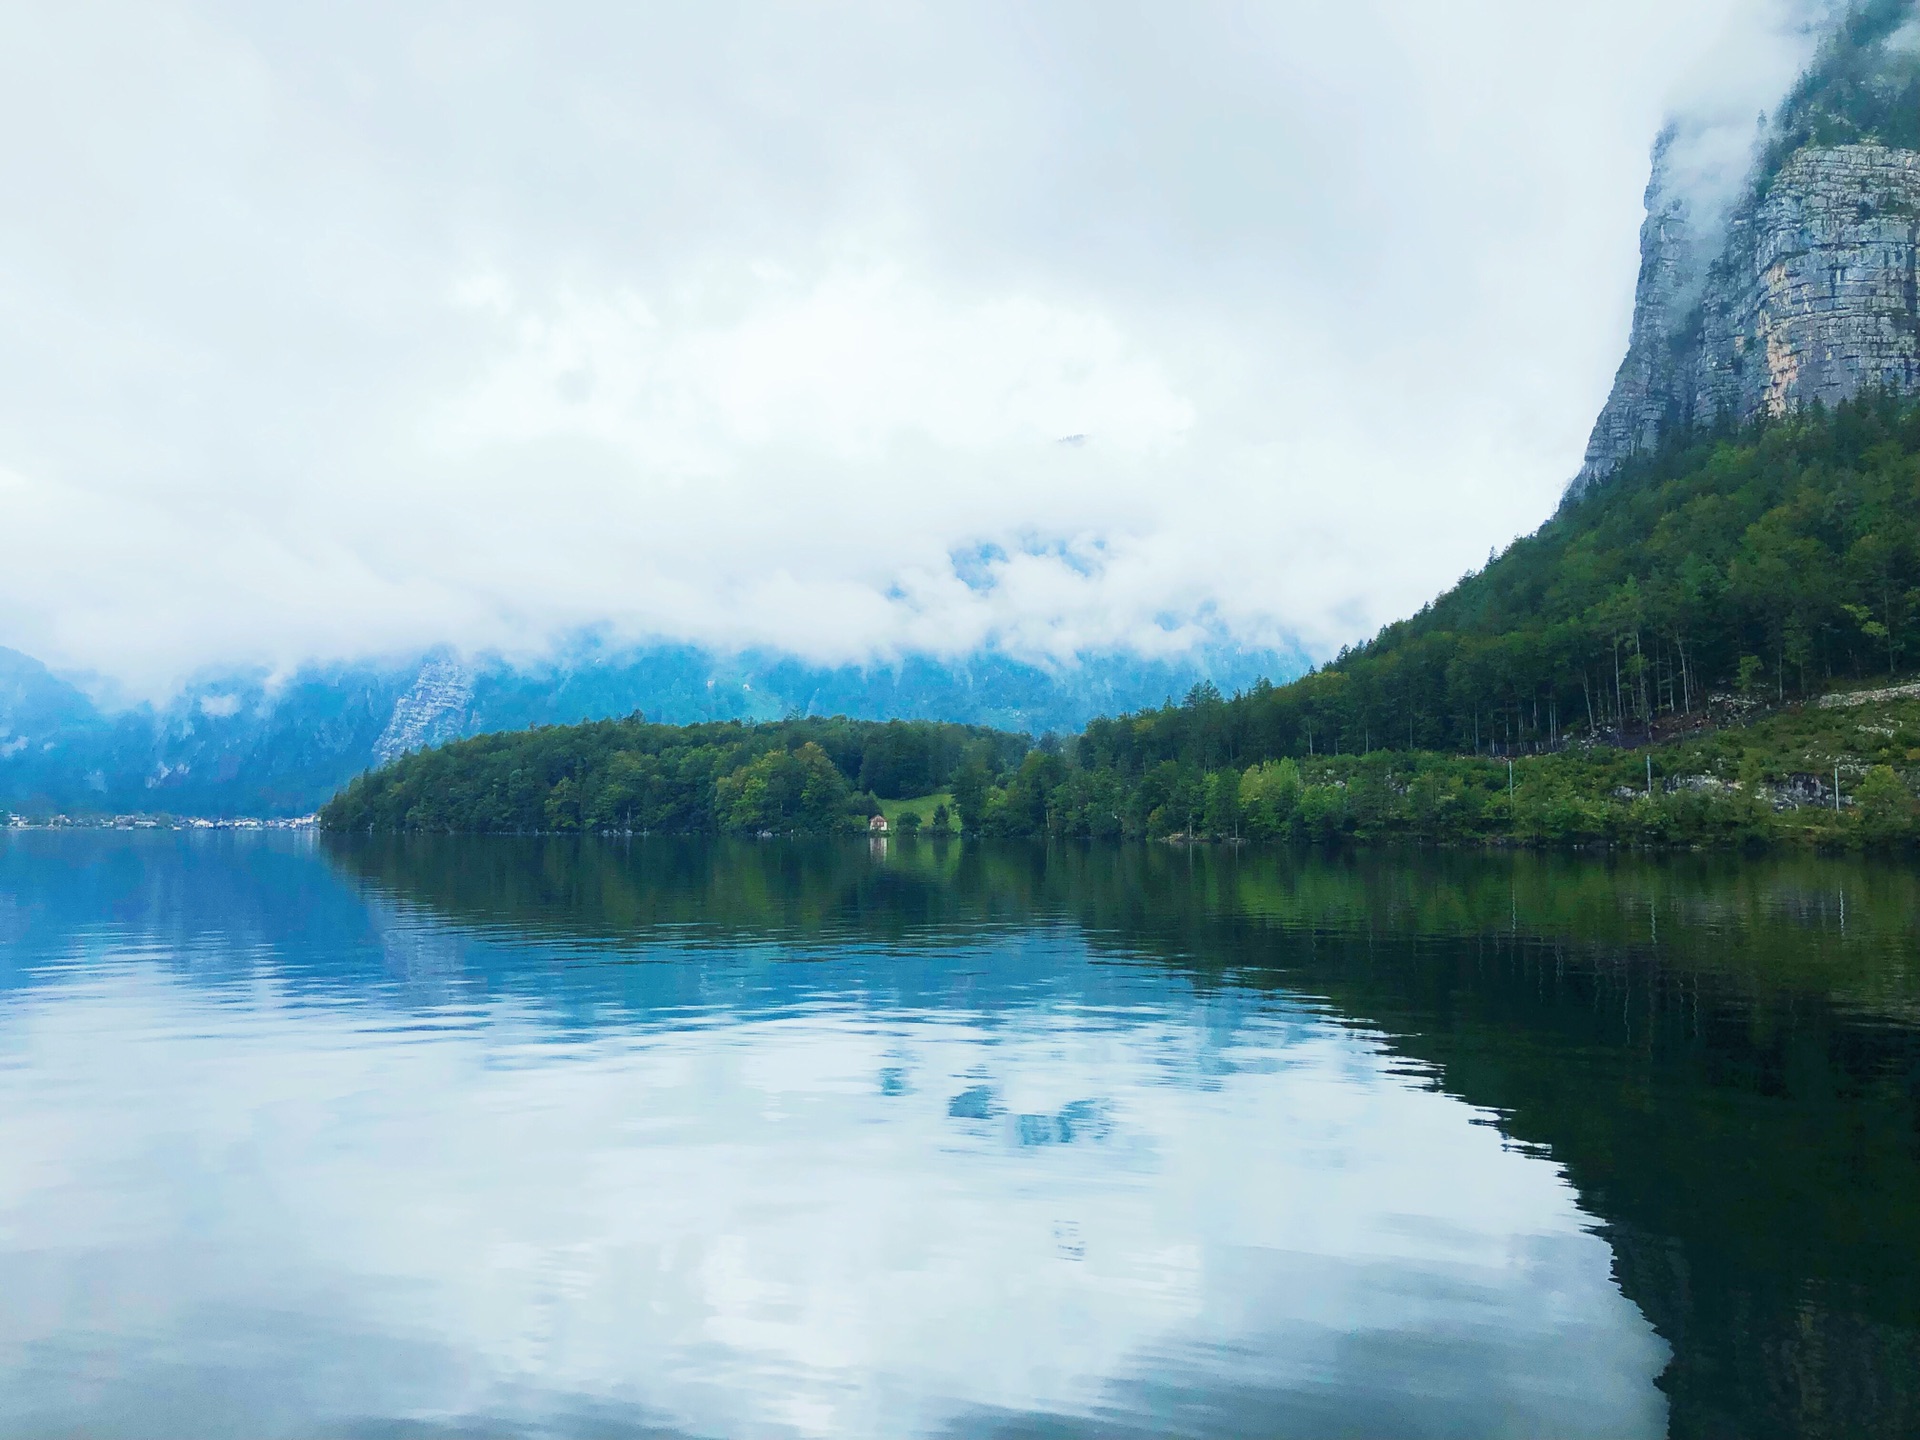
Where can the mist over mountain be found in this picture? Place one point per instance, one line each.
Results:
(244, 744)
(840, 332)
(818, 425)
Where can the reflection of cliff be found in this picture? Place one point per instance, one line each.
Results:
(1755, 1358)
(1750, 1145)
(1737, 1101)
(1751, 1159)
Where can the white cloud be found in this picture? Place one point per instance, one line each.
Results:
(733, 1228)
(846, 368)
(331, 331)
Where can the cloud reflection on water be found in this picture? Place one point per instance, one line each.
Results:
(239, 1209)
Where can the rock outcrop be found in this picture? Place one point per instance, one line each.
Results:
(1811, 296)
(433, 710)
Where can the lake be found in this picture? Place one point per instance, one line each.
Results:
(492, 1137)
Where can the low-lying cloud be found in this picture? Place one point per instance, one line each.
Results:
(348, 331)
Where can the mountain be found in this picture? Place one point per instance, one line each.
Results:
(246, 743)
(1745, 534)
(1754, 533)
(1805, 290)
(1650, 668)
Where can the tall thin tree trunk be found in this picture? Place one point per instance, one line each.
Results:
(1646, 712)
(1619, 702)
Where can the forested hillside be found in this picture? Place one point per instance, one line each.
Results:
(1771, 562)
(1864, 85)
(1560, 695)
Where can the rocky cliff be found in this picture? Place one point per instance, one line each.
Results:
(1802, 289)
(433, 710)
(1810, 296)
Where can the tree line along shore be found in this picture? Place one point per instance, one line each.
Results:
(1660, 664)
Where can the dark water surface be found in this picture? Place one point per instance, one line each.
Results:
(519, 1137)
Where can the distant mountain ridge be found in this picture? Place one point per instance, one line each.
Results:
(241, 745)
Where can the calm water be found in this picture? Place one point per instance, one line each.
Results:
(496, 1137)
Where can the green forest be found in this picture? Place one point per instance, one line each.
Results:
(1644, 669)
(800, 776)
(1863, 85)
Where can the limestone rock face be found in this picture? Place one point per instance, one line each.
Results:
(433, 709)
(1812, 296)
(1642, 402)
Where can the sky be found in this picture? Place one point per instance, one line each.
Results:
(847, 329)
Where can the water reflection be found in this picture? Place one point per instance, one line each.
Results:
(537, 1137)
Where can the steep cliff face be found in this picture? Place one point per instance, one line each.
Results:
(1812, 296)
(1646, 386)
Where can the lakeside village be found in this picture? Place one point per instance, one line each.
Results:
(158, 822)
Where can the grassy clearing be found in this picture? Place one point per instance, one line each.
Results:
(921, 805)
